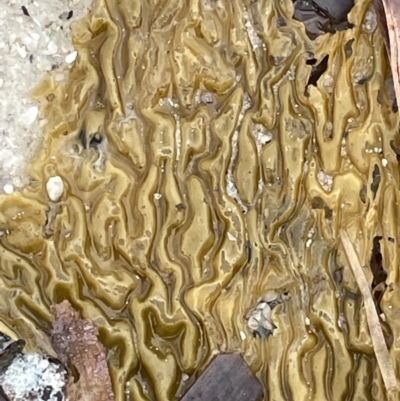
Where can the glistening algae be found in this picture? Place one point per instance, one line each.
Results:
(210, 152)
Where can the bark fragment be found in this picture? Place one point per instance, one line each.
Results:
(76, 342)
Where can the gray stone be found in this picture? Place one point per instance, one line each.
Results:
(227, 377)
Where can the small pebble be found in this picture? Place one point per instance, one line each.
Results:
(70, 58)
(52, 48)
(8, 189)
(55, 188)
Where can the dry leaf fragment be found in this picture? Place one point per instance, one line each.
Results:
(76, 341)
(378, 340)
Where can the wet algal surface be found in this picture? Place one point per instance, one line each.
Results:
(209, 152)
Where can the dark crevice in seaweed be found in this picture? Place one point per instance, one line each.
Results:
(95, 141)
(363, 194)
(348, 48)
(82, 138)
(376, 179)
(317, 70)
(378, 272)
(378, 284)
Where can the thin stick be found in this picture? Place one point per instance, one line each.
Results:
(393, 26)
(378, 341)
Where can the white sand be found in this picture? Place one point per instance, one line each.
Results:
(30, 45)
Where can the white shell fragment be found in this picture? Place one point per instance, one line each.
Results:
(260, 319)
(55, 188)
(260, 135)
(261, 305)
(266, 312)
(253, 323)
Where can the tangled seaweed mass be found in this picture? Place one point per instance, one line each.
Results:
(210, 152)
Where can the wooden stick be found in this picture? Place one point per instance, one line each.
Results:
(388, 13)
(382, 354)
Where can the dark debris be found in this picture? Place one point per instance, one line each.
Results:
(376, 263)
(25, 11)
(319, 67)
(322, 16)
(376, 179)
(10, 352)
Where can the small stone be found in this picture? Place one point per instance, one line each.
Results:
(30, 115)
(227, 377)
(55, 188)
(8, 189)
(326, 180)
(70, 58)
(231, 237)
(207, 98)
(31, 41)
(261, 135)
(21, 51)
(52, 48)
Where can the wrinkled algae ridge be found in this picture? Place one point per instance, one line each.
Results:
(176, 219)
